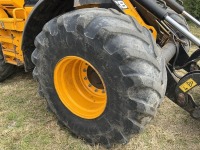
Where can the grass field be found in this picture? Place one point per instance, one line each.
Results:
(25, 124)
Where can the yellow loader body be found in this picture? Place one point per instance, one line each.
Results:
(13, 16)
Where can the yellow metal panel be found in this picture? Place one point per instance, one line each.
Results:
(11, 29)
(12, 3)
(7, 53)
(3, 14)
(28, 10)
(12, 24)
(9, 5)
(130, 10)
(6, 39)
(11, 60)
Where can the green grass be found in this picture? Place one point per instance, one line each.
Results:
(25, 124)
(194, 30)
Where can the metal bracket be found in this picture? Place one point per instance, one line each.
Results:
(179, 92)
(180, 2)
(192, 62)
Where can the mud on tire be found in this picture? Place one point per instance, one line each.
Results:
(126, 56)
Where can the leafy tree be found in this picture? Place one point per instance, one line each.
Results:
(193, 7)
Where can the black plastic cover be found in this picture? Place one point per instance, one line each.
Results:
(153, 8)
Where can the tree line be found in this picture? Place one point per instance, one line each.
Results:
(193, 7)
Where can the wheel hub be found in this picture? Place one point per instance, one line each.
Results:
(80, 87)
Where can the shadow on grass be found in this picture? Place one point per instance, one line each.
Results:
(19, 74)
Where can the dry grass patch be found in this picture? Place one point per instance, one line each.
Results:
(26, 124)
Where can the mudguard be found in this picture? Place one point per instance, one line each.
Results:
(44, 11)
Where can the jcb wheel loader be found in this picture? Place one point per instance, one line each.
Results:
(103, 66)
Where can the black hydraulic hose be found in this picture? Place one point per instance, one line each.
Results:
(154, 8)
(162, 14)
(180, 10)
(175, 6)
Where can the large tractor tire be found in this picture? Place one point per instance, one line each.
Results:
(5, 69)
(101, 73)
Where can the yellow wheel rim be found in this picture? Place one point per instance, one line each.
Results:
(80, 87)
